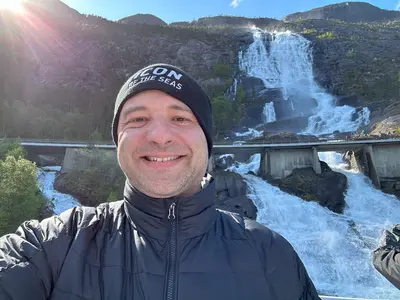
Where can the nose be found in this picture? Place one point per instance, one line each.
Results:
(160, 132)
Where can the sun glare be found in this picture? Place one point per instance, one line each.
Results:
(12, 5)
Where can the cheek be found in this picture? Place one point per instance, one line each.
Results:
(127, 142)
(198, 141)
(127, 134)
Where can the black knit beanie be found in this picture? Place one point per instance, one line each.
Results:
(174, 82)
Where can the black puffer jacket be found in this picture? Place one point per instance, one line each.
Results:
(143, 248)
(386, 257)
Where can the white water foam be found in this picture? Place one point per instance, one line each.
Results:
(269, 112)
(62, 202)
(289, 66)
(251, 132)
(336, 249)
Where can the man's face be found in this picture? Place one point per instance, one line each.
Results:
(161, 147)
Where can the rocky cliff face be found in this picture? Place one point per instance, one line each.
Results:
(347, 11)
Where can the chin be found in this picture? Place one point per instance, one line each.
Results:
(162, 193)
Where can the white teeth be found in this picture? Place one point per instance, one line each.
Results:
(158, 159)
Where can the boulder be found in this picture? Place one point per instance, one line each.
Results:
(91, 176)
(253, 86)
(271, 95)
(47, 210)
(294, 125)
(391, 186)
(90, 188)
(48, 160)
(348, 100)
(388, 126)
(223, 162)
(327, 188)
(232, 194)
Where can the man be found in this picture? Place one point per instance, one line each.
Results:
(165, 240)
(386, 257)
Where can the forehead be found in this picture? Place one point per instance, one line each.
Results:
(153, 100)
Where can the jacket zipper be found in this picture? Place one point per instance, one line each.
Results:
(172, 262)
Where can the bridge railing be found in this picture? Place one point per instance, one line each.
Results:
(261, 141)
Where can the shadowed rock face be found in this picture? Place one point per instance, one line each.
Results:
(327, 188)
(232, 194)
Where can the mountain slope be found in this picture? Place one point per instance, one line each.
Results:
(147, 19)
(347, 11)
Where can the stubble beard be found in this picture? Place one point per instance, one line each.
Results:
(186, 181)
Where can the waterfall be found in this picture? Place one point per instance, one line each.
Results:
(269, 112)
(288, 65)
(336, 249)
(62, 202)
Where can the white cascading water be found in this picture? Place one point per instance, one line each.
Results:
(232, 91)
(251, 132)
(289, 66)
(62, 202)
(269, 112)
(336, 249)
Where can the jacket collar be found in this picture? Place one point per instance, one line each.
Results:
(195, 215)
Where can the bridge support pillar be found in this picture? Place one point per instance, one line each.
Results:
(265, 164)
(316, 162)
(363, 160)
(279, 163)
(372, 172)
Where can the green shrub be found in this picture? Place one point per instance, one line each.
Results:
(351, 53)
(12, 148)
(223, 70)
(327, 35)
(222, 113)
(241, 94)
(96, 136)
(20, 196)
(310, 31)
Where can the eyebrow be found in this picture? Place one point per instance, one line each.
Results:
(133, 109)
(180, 108)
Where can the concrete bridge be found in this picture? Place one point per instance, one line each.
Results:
(375, 158)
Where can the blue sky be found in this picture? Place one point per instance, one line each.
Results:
(188, 10)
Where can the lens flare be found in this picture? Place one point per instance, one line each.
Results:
(12, 5)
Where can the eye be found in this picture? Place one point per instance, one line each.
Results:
(181, 119)
(136, 121)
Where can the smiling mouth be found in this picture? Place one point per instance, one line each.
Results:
(162, 159)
